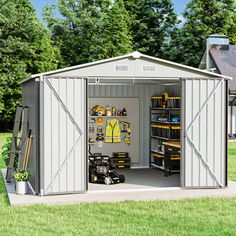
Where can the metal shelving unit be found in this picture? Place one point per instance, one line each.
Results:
(154, 112)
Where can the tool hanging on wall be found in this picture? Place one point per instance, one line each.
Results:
(91, 129)
(98, 110)
(127, 140)
(124, 112)
(126, 127)
(100, 136)
(91, 141)
(92, 120)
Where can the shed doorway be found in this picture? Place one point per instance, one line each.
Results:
(143, 143)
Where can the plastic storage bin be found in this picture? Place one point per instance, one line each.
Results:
(158, 159)
(156, 102)
(173, 102)
(175, 132)
(157, 130)
(172, 159)
(165, 131)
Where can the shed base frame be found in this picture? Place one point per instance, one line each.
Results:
(151, 194)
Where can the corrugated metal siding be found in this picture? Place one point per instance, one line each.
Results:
(234, 120)
(30, 95)
(232, 127)
(143, 92)
(206, 133)
(173, 90)
(64, 153)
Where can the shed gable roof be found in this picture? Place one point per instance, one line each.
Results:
(131, 65)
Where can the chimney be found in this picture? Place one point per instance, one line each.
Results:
(218, 41)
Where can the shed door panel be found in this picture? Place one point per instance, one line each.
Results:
(204, 133)
(64, 118)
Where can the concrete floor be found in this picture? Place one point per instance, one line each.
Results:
(141, 179)
(117, 195)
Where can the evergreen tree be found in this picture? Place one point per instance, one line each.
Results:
(202, 17)
(152, 24)
(25, 48)
(89, 29)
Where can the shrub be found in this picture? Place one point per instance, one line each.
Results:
(6, 152)
(22, 175)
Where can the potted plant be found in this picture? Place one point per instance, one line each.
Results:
(21, 177)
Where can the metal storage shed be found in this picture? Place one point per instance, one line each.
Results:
(57, 103)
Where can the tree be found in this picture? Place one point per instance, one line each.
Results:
(25, 48)
(152, 24)
(114, 37)
(202, 18)
(89, 30)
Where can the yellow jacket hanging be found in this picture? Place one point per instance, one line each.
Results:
(113, 133)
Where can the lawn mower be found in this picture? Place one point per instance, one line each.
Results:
(102, 171)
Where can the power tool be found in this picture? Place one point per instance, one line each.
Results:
(126, 127)
(127, 140)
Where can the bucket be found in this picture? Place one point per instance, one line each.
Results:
(21, 187)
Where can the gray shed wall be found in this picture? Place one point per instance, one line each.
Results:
(30, 96)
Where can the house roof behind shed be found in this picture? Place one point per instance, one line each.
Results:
(225, 61)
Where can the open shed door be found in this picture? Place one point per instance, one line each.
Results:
(204, 133)
(63, 152)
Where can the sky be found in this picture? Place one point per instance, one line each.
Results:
(179, 5)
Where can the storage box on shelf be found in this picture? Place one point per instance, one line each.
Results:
(156, 102)
(158, 159)
(170, 132)
(172, 102)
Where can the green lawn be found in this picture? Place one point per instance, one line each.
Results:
(185, 217)
(232, 161)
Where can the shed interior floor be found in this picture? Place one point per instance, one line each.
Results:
(141, 179)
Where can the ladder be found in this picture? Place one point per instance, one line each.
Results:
(20, 125)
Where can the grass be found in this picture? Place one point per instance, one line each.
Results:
(232, 161)
(185, 217)
(3, 137)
